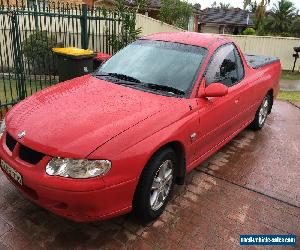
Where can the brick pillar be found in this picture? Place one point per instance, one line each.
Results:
(196, 23)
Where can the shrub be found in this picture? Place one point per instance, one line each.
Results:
(249, 32)
(285, 34)
(37, 49)
(128, 32)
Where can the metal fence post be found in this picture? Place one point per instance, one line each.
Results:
(36, 20)
(19, 67)
(84, 29)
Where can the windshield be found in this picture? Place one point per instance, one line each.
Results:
(157, 62)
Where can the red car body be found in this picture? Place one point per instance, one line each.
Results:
(88, 118)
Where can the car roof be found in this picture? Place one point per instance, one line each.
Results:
(191, 38)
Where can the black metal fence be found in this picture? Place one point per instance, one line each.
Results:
(29, 31)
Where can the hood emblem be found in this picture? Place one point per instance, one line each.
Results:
(21, 134)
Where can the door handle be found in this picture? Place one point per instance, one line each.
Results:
(236, 101)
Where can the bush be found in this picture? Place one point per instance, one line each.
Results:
(285, 34)
(296, 27)
(37, 49)
(249, 32)
(128, 33)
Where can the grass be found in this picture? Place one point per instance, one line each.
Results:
(9, 92)
(292, 96)
(289, 75)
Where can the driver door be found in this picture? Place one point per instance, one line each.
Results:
(219, 116)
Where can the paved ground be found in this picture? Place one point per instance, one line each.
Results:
(251, 186)
(297, 104)
(290, 85)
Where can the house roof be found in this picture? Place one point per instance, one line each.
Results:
(235, 16)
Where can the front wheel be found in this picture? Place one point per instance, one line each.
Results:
(261, 114)
(155, 186)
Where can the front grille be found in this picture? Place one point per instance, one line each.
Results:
(29, 155)
(26, 154)
(10, 142)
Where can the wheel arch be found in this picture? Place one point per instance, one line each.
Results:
(271, 94)
(179, 150)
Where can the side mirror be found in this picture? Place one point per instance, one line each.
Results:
(215, 90)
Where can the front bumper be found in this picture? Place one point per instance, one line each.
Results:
(78, 200)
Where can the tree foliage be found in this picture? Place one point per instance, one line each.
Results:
(295, 31)
(176, 12)
(252, 7)
(281, 17)
(221, 5)
(281, 20)
(128, 33)
(37, 49)
(260, 13)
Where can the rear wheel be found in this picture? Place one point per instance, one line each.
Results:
(261, 114)
(155, 186)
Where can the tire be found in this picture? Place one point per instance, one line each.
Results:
(146, 205)
(262, 113)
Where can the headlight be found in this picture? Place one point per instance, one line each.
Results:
(2, 127)
(78, 169)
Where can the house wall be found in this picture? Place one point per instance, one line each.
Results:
(210, 28)
(281, 47)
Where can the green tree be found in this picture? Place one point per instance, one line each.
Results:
(252, 6)
(295, 31)
(176, 12)
(260, 13)
(141, 5)
(281, 18)
(224, 6)
(128, 32)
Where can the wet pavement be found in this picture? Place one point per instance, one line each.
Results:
(290, 85)
(297, 104)
(251, 186)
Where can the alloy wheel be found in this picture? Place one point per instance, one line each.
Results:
(161, 185)
(263, 112)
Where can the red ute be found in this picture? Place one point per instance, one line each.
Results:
(118, 140)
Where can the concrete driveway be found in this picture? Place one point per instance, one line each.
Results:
(251, 186)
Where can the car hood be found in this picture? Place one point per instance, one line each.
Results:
(73, 118)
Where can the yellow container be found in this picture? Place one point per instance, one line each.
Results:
(72, 51)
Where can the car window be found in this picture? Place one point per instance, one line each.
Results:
(225, 67)
(240, 66)
(158, 62)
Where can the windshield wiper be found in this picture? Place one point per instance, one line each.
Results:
(164, 88)
(124, 77)
(129, 80)
(120, 76)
